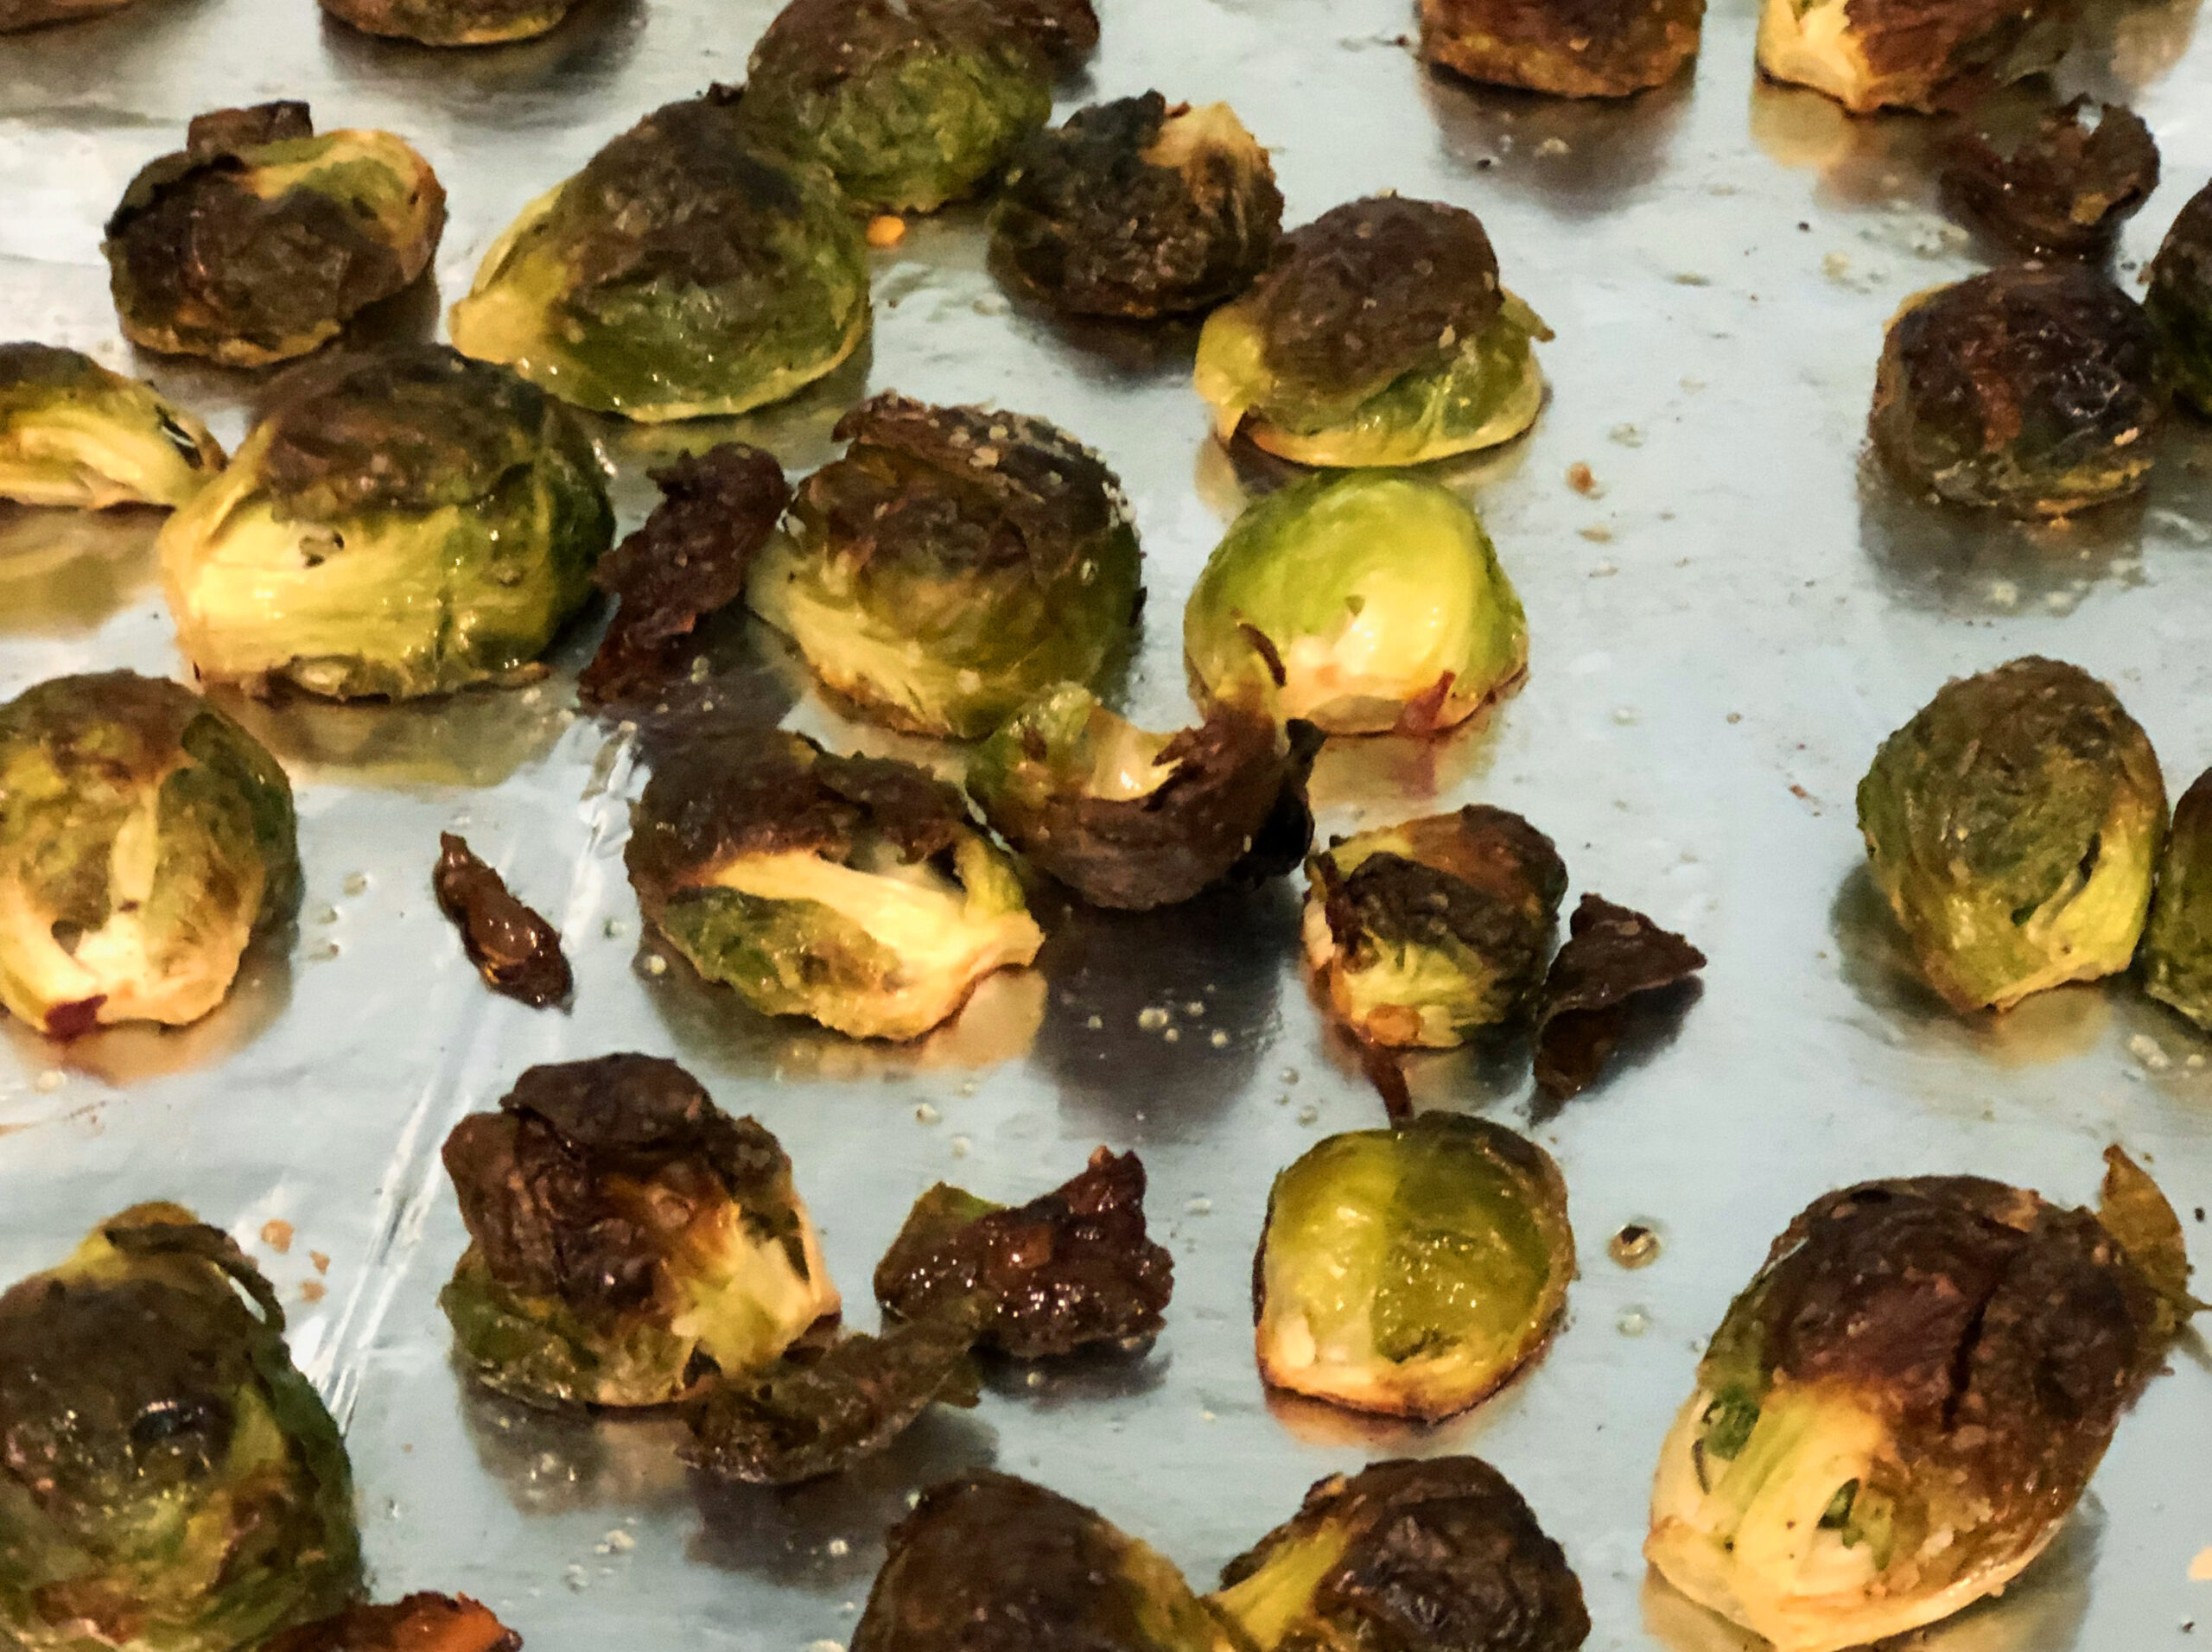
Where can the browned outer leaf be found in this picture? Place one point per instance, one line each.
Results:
(1612, 955)
(420, 1622)
(517, 952)
(227, 131)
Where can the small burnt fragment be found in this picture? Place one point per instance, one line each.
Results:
(517, 952)
(420, 1622)
(2060, 188)
(1569, 48)
(1612, 956)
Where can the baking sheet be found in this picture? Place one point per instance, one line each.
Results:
(1720, 637)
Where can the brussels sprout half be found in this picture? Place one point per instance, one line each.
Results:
(18, 15)
(420, 1622)
(2013, 826)
(451, 22)
(401, 524)
(681, 274)
(2177, 941)
(1588, 48)
(171, 1483)
(1871, 55)
(2180, 302)
(76, 435)
(1411, 1271)
(2059, 182)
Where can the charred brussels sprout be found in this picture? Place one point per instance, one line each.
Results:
(421, 1623)
(1133, 208)
(1871, 55)
(2013, 826)
(955, 561)
(2180, 302)
(1411, 1271)
(260, 240)
(2178, 944)
(451, 22)
(1572, 48)
(681, 274)
(15, 14)
(1378, 595)
(1407, 1556)
(402, 523)
(857, 890)
(2059, 183)
(627, 1238)
(911, 102)
(1379, 335)
(74, 434)
(170, 1482)
(144, 839)
(1902, 1408)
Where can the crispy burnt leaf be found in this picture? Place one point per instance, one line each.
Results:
(2062, 186)
(517, 952)
(1612, 956)
(419, 1622)
(1570, 48)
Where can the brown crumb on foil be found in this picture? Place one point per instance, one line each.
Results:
(885, 230)
(277, 1235)
(314, 1290)
(517, 952)
(1584, 480)
(321, 1262)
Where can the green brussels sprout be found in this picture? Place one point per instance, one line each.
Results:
(2013, 826)
(1420, 933)
(2058, 183)
(1901, 1409)
(76, 435)
(170, 1482)
(1415, 1556)
(2177, 940)
(1379, 335)
(400, 524)
(1132, 208)
(911, 103)
(451, 22)
(421, 1623)
(954, 563)
(681, 274)
(1873, 55)
(1592, 48)
(1377, 594)
(856, 891)
(18, 15)
(144, 839)
(627, 1239)
(260, 240)
(2180, 302)
(1411, 1271)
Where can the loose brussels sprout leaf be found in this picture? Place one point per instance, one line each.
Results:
(169, 1483)
(451, 22)
(421, 1623)
(681, 274)
(1133, 208)
(1378, 336)
(1378, 595)
(1407, 1556)
(1612, 956)
(260, 240)
(955, 562)
(400, 524)
(911, 103)
(2136, 1213)
(2180, 302)
(2013, 826)
(1900, 1410)
(1871, 55)
(2177, 942)
(1588, 48)
(75, 436)
(144, 839)
(517, 952)
(990, 1563)
(1073, 1269)
(2029, 391)
(627, 1238)
(1411, 1271)
(17, 15)
(2061, 187)
(1420, 933)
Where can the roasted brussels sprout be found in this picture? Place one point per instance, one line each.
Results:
(1612, 957)
(421, 1623)
(1570, 48)
(857, 890)
(144, 839)
(2013, 826)
(1379, 335)
(911, 102)
(260, 240)
(955, 561)
(1902, 1408)
(74, 434)
(1378, 596)
(516, 951)
(1871, 55)
(683, 273)
(1411, 1271)
(1132, 208)
(990, 1563)
(2029, 391)
(170, 1482)
(1073, 1269)
(2177, 941)
(2180, 302)
(1414, 1556)
(2058, 188)
(627, 1238)
(1420, 933)
(400, 524)
(17, 15)
(451, 22)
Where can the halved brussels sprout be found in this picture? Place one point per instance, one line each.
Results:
(857, 890)
(681, 274)
(1902, 1408)
(144, 839)
(1379, 335)
(400, 524)
(18, 15)
(955, 562)
(1871, 55)
(2177, 941)
(170, 1482)
(1438, 1555)
(1377, 595)
(1585, 49)
(1411, 1271)
(1422, 932)
(1133, 208)
(420, 1622)
(76, 435)
(2013, 826)
(451, 22)
(260, 240)
(627, 1238)
(2056, 181)
(2180, 302)
(2029, 391)
(911, 103)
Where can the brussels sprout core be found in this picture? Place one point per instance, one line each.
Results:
(2180, 302)
(74, 434)
(451, 22)
(1871, 55)
(1589, 48)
